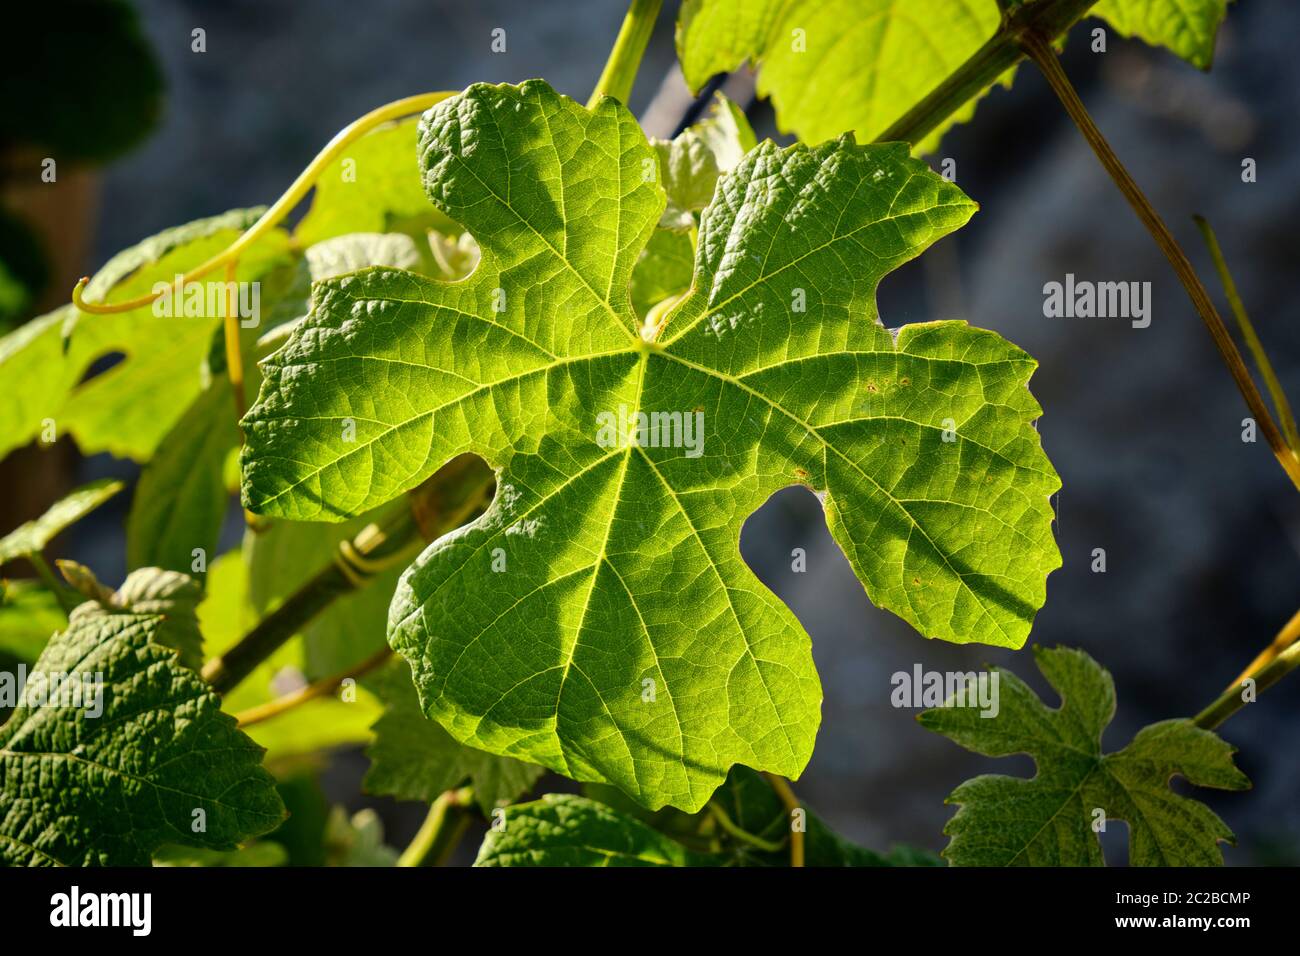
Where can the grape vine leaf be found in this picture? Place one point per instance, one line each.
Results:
(34, 535)
(80, 789)
(1048, 820)
(170, 596)
(413, 758)
(181, 499)
(690, 164)
(564, 830)
(128, 408)
(1187, 27)
(689, 168)
(356, 840)
(29, 614)
(835, 65)
(621, 637)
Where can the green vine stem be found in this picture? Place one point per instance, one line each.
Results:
(344, 574)
(1280, 403)
(448, 819)
(1233, 699)
(791, 802)
(1049, 18)
(458, 492)
(67, 598)
(287, 702)
(625, 59)
(1039, 50)
(744, 836)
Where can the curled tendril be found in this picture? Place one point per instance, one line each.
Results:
(306, 179)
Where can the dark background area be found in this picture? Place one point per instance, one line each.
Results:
(1201, 530)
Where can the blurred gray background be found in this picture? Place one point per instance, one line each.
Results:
(1201, 530)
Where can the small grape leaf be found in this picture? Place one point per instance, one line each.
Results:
(32, 537)
(413, 758)
(80, 789)
(1187, 27)
(836, 65)
(665, 269)
(690, 164)
(1048, 820)
(618, 570)
(356, 840)
(564, 830)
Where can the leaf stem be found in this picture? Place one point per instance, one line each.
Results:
(452, 496)
(284, 205)
(791, 802)
(376, 547)
(67, 598)
(1039, 50)
(625, 59)
(320, 688)
(744, 836)
(1000, 52)
(1233, 699)
(441, 831)
(1280, 404)
(1285, 638)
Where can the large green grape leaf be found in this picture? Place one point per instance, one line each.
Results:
(413, 758)
(1049, 820)
(836, 65)
(598, 619)
(128, 408)
(154, 762)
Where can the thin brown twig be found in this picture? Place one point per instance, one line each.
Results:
(287, 702)
(1044, 57)
(791, 802)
